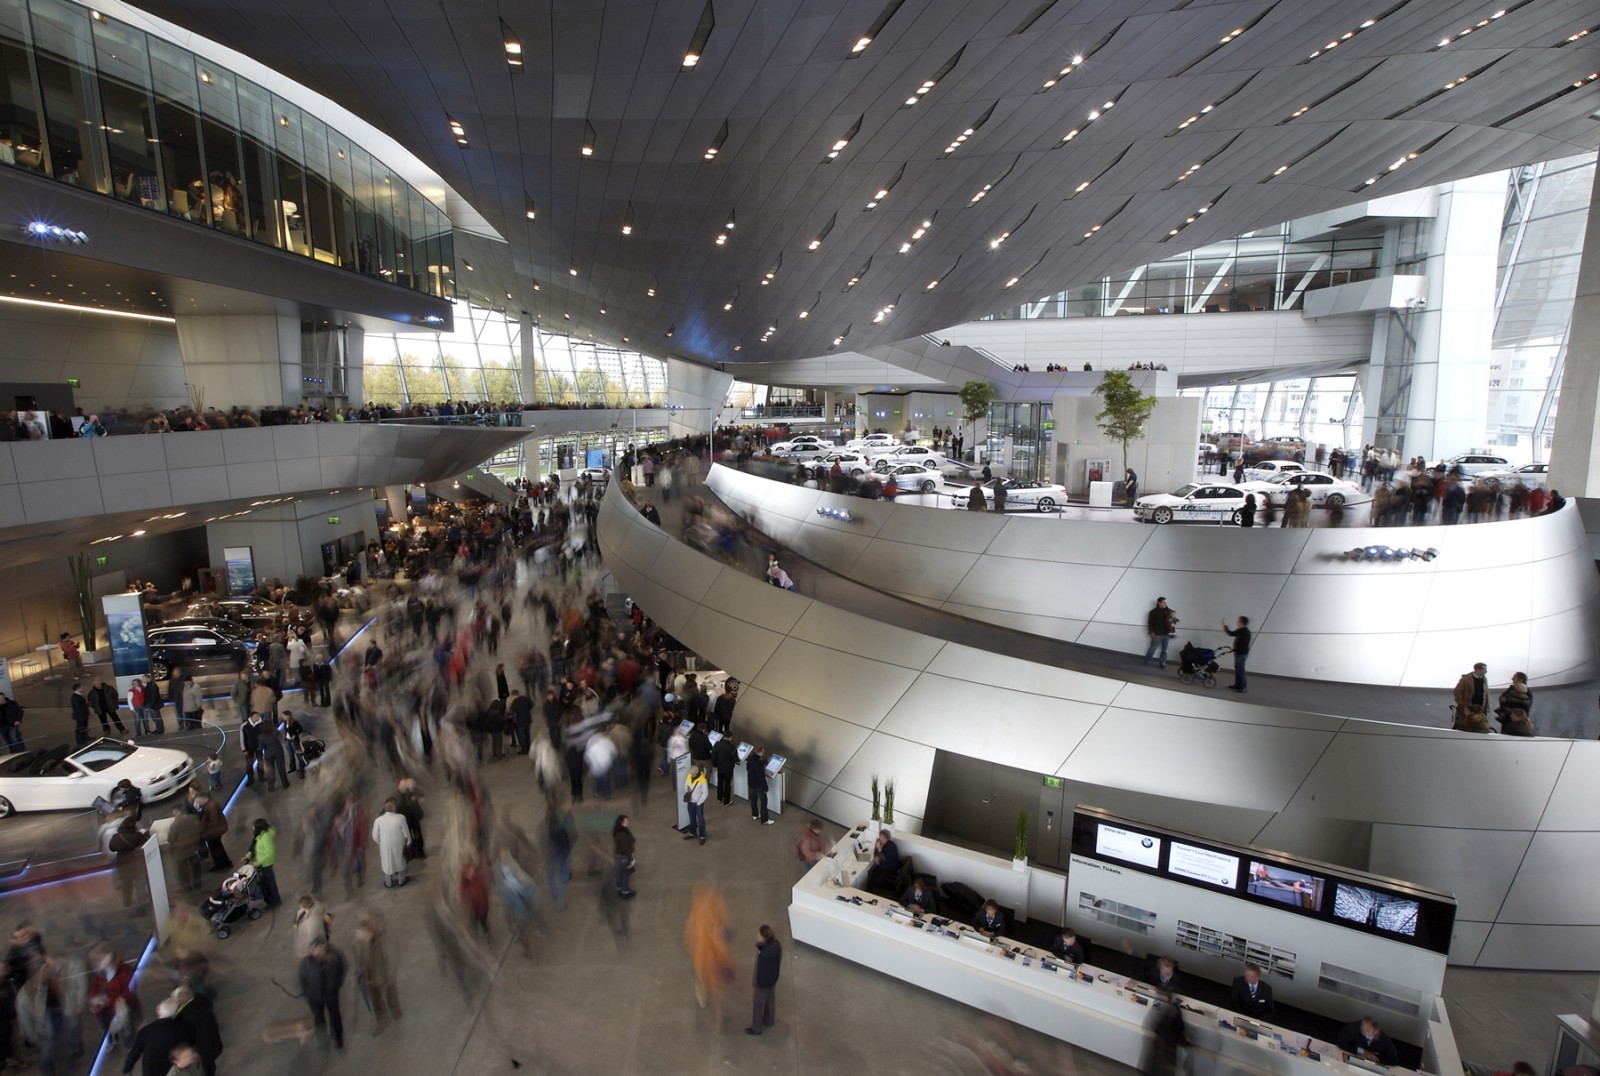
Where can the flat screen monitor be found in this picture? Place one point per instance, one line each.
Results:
(1294, 888)
(685, 727)
(1203, 865)
(774, 764)
(1368, 907)
(1127, 845)
(745, 749)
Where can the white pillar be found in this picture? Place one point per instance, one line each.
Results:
(695, 393)
(1575, 450)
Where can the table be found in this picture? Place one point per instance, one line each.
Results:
(1095, 1009)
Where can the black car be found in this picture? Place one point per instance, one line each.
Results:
(197, 648)
(247, 610)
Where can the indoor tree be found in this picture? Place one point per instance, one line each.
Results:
(976, 396)
(1125, 410)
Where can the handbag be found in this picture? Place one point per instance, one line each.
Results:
(688, 796)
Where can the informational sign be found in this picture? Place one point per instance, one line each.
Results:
(5, 676)
(1097, 471)
(1204, 865)
(241, 563)
(1128, 846)
(130, 654)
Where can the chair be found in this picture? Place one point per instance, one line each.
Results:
(180, 203)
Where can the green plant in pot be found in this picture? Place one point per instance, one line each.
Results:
(877, 815)
(1022, 835)
(888, 803)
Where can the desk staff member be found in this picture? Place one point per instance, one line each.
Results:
(1067, 947)
(991, 923)
(919, 899)
(1161, 972)
(1251, 996)
(1366, 1040)
(885, 861)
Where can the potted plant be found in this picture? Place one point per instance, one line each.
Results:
(83, 583)
(888, 804)
(876, 810)
(1020, 859)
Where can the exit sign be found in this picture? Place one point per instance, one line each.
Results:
(72, 383)
(102, 561)
(333, 519)
(1048, 424)
(1055, 782)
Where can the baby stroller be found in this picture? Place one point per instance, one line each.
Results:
(1200, 663)
(234, 900)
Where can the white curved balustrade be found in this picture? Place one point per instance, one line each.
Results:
(1517, 594)
(1507, 824)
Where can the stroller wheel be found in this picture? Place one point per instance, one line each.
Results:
(1187, 678)
(1209, 680)
(255, 913)
(223, 932)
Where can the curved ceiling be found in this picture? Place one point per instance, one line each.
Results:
(1195, 121)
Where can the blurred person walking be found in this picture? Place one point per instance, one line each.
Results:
(706, 936)
(322, 972)
(311, 923)
(375, 976)
(196, 1015)
(769, 956)
(623, 845)
(213, 824)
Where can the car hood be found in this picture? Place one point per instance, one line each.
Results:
(148, 760)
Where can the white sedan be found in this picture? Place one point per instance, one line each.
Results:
(850, 463)
(800, 450)
(1326, 490)
(913, 477)
(1269, 469)
(809, 439)
(1532, 475)
(918, 454)
(1192, 503)
(861, 444)
(1041, 496)
(60, 779)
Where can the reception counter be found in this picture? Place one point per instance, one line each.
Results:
(1102, 1012)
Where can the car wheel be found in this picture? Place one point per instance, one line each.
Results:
(1047, 504)
(1237, 517)
(1163, 515)
(1335, 500)
(161, 669)
(927, 487)
(6, 808)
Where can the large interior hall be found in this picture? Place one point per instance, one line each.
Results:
(696, 536)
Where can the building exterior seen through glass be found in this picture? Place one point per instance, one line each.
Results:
(99, 104)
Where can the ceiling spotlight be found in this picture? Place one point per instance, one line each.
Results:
(672, 329)
(589, 138)
(528, 208)
(627, 220)
(572, 270)
(860, 46)
(513, 45)
(697, 44)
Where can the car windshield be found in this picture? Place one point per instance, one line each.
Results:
(102, 754)
(1184, 491)
(1282, 478)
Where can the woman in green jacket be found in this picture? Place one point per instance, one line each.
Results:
(263, 854)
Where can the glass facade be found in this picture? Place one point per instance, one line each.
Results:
(481, 360)
(1319, 410)
(99, 104)
(1263, 270)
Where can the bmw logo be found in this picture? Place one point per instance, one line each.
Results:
(1146, 842)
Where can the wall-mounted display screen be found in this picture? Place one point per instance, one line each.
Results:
(1384, 911)
(1295, 888)
(1395, 910)
(1128, 846)
(1203, 865)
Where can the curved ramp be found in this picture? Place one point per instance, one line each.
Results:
(1506, 824)
(1517, 594)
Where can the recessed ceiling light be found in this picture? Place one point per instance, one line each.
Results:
(697, 43)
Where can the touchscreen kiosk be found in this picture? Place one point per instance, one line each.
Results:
(714, 737)
(685, 727)
(774, 764)
(745, 749)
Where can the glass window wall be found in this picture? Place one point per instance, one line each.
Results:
(97, 103)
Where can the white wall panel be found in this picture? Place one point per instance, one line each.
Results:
(1370, 658)
(743, 649)
(1029, 732)
(963, 532)
(1543, 947)
(1041, 588)
(1321, 605)
(827, 626)
(908, 764)
(1575, 801)
(1048, 626)
(1213, 706)
(1466, 941)
(1438, 658)
(1183, 757)
(920, 571)
(1473, 861)
(1088, 543)
(814, 743)
(752, 600)
(1557, 866)
(984, 666)
(1197, 546)
(847, 686)
(688, 574)
(1489, 597)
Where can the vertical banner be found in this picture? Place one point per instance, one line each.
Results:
(130, 654)
(241, 565)
(5, 677)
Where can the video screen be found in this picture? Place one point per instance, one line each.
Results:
(1396, 915)
(1128, 846)
(1294, 888)
(1203, 865)
(774, 764)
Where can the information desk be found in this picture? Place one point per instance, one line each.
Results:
(1099, 1011)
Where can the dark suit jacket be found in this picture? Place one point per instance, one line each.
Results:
(995, 925)
(928, 902)
(1257, 1007)
(1152, 975)
(1072, 954)
(1381, 1048)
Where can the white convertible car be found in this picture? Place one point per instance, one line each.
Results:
(1020, 493)
(61, 779)
(1326, 490)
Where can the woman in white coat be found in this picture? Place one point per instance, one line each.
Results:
(391, 832)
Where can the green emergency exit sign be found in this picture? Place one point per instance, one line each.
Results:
(102, 561)
(334, 520)
(1055, 782)
(73, 383)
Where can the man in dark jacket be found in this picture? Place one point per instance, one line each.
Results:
(153, 704)
(722, 711)
(80, 715)
(196, 1014)
(11, 723)
(153, 1043)
(725, 756)
(127, 844)
(769, 957)
(321, 977)
(103, 700)
(213, 824)
(1241, 653)
(755, 768)
(699, 745)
